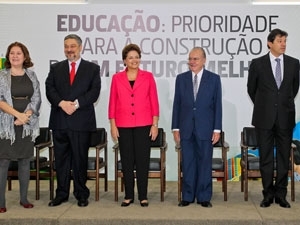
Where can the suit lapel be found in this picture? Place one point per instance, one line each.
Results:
(269, 71)
(66, 72)
(124, 81)
(80, 71)
(285, 69)
(203, 83)
(139, 80)
(188, 82)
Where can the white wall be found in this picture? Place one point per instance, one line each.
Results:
(168, 1)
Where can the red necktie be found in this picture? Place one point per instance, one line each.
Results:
(72, 73)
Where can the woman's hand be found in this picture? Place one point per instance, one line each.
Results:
(153, 132)
(114, 133)
(18, 122)
(22, 118)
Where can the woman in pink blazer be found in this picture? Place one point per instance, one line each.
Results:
(133, 113)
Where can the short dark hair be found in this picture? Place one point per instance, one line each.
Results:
(276, 32)
(27, 62)
(128, 48)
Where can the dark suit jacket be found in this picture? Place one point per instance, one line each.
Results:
(205, 114)
(268, 100)
(85, 88)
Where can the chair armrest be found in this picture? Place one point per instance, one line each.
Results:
(100, 146)
(243, 146)
(164, 147)
(43, 145)
(116, 147)
(177, 148)
(226, 145)
(294, 147)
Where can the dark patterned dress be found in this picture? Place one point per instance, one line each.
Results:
(21, 91)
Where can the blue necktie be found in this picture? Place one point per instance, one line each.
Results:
(278, 73)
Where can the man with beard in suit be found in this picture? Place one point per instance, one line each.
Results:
(72, 87)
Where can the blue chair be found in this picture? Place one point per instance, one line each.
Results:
(296, 132)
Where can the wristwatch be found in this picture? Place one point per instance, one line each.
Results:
(76, 104)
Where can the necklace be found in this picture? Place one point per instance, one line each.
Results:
(17, 72)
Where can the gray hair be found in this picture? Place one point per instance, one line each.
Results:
(200, 49)
(74, 36)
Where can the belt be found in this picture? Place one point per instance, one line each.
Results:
(20, 98)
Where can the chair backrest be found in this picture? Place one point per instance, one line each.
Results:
(160, 140)
(249, 137)
(45, 136)
(98, 137)
(297, 152)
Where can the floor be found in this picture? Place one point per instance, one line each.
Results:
(107, 211)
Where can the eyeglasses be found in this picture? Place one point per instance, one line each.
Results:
(193, 59)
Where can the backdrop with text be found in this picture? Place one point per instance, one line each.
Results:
(231, 34)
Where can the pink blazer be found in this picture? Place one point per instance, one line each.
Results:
(133, 107)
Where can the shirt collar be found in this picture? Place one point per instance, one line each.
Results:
(77, 62)
(272, 57)
(199, 74)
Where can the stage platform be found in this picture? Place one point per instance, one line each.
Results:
(107, 211)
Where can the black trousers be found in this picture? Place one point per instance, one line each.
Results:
(71, 154)
(134, 146)
(281, 139)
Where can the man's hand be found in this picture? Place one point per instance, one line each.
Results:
(215, 137)
(68, 107)
(176, 136)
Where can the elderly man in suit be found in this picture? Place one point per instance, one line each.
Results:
(196, 125)
(72, 87)
(273, 83)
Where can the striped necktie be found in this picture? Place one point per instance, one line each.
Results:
(195, 86)
(278, 72)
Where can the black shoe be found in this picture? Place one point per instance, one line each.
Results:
(125, 204)
(266, 202)
(282, 202)
(205, 204)
(82, 202)
(183, 203)
(144, 204)
(57, 201)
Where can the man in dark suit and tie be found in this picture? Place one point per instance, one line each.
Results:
(72, 88)
(196, 125)
(273, 83)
